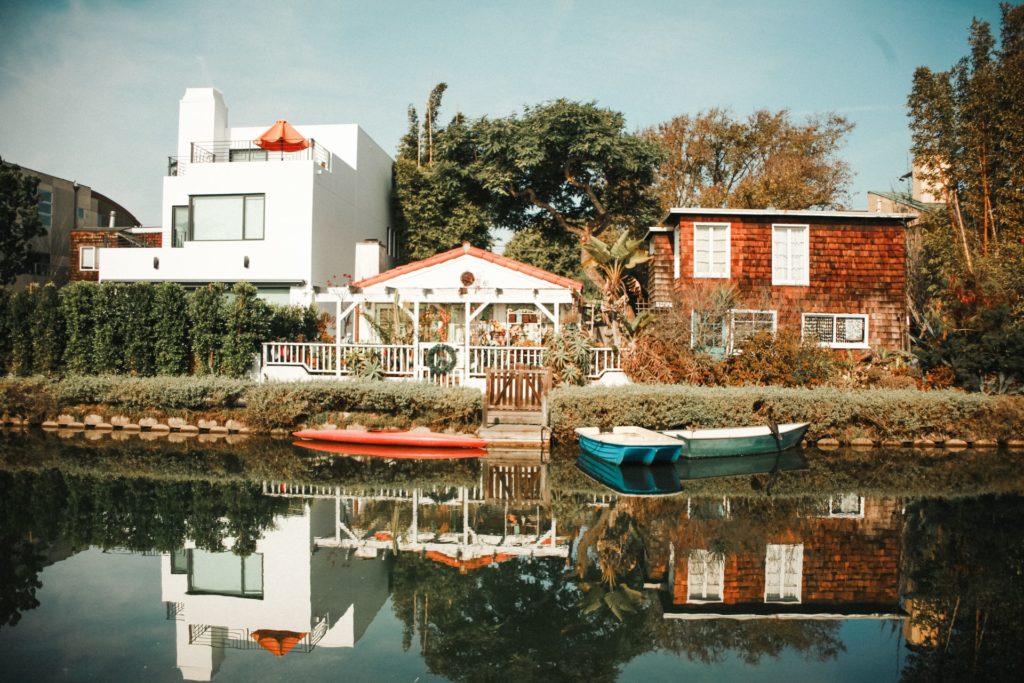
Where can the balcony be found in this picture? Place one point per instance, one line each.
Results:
(235, 151)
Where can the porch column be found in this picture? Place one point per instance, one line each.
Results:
(558, 317)
(337, 336)
(416, 340)
(465, 344)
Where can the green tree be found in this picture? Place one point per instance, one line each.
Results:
(138, 328)
(47, 330)
(76, 306)
(438, 204)
(247, 324)
(170, 329)
(19, 220)
(554, 251)
(715, 160)
(108, 329)
(567, 168)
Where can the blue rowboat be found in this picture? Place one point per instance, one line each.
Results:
(660, 479)
(630, 445)
(756, 440)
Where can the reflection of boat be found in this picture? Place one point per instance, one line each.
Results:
(660, 479)
(713, 443)
(735, 465)
(630, 445)
(387, 437)
(396, 452)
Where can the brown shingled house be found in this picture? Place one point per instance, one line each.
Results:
(837, 276)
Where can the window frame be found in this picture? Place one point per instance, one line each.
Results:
(731, 342)
(796, 549)
(251, 594)
(709, 274)
(191, 237)
(45, 197)
(708, 561)
(864, 317)
(789, 281)
(95, 258)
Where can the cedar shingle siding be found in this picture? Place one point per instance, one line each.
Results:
(857, 266)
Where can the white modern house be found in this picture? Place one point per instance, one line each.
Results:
(283, 217)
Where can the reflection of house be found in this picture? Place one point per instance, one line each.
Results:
(843, 562)
(66, 206)
(286, 221)
(493, 311)
(221, 601)
(838, 277)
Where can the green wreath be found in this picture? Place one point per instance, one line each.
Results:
(441, 358)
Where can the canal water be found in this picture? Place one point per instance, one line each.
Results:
(256, 560)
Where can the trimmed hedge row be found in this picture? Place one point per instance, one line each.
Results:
(261, 406)
(844, 414)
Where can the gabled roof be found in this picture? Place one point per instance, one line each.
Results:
(907, 199)
(468, 249)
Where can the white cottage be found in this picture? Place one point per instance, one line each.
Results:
(479, 309)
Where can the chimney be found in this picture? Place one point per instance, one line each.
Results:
(371, 257)
(113, 214)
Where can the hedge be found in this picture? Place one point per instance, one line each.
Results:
(840, 413)
(261, 406)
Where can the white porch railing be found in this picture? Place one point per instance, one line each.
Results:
(400, 360)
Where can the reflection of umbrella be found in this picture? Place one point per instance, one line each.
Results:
(278, 643)
(282, 137)
(466, 565)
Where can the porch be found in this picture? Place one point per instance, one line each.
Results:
(294, 360)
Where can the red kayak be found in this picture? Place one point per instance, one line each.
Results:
(395, 452)
(385, 437)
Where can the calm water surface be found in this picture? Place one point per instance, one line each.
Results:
(132, 560)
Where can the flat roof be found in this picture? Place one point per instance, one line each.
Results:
(808, 213)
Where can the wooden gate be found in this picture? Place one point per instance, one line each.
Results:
(517, 389)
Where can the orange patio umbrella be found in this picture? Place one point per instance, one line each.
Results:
(282, 137)
(278, 643)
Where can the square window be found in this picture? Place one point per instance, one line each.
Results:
(790, 254)
(711, 250)
(705, 576)
(783, 573)
(744, 324)
(87, 258)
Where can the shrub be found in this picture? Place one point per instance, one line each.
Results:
(47, 330)
(108, 330)
(206, 320)
(76, 307)
(875, 413)
(30, 398)
(288, 404)
(152, 393)
(780, 359)
(568, 356)
(137, 328)
(246, 324)
(19, 332)
(170, 329)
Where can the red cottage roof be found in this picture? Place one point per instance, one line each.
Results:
(466, 248)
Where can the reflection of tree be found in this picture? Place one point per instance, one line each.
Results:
(964, 562)
(710, 641)
(517, 621)
(140, 514)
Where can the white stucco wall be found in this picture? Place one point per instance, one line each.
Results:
(313, 217)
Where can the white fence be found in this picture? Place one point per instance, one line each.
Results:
(406, 361)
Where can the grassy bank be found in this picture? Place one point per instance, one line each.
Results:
(844, 414)
(262, 407)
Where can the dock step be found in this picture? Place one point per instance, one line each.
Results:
(514, 417)
(516, 435)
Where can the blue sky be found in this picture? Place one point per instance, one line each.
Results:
(89, 89)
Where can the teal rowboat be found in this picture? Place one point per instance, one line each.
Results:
(630, 445)
(716, 443)
(660, 479)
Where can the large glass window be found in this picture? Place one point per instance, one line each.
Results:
(790, 254)
(225, 573)
(46, 208)
(227, 217)
(711, 250)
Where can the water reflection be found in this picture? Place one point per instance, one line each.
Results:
(530, 568)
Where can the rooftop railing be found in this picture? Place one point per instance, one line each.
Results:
(234, 151)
